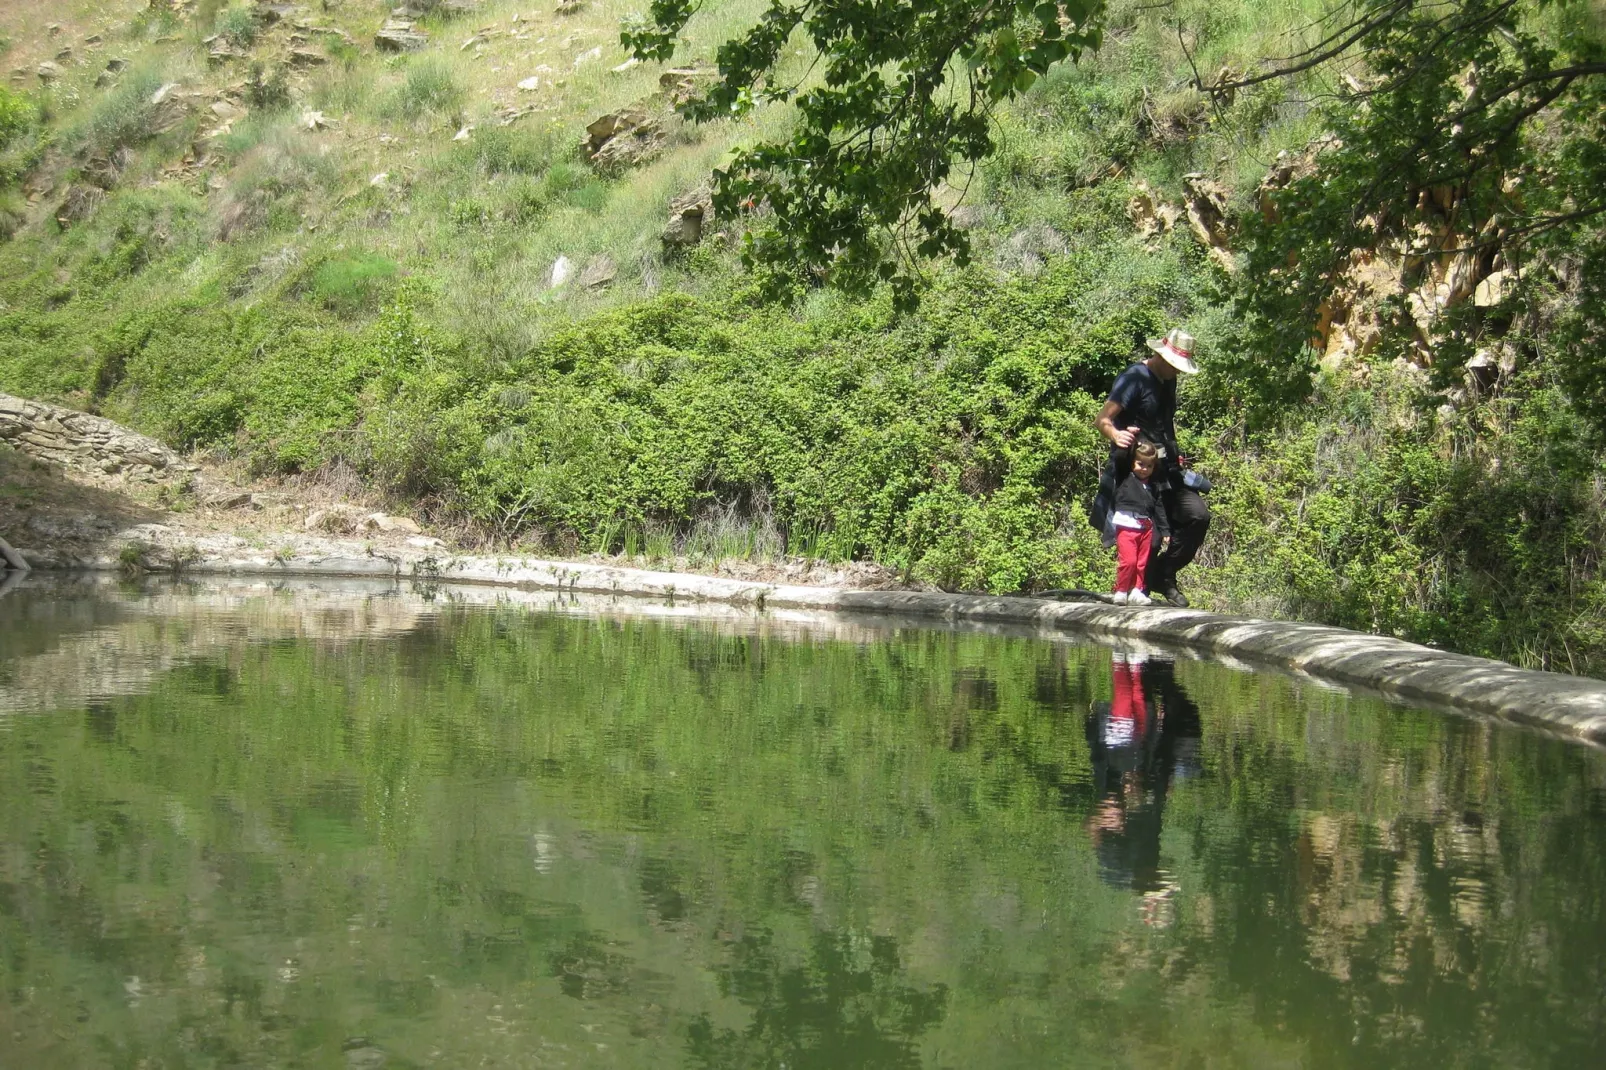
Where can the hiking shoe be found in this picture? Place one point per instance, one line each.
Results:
(1175, 597)
(1119, 598)
(1138, 598)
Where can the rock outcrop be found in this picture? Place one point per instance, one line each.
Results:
(1151, 214)
(689, 216)
(622, 139)
(87, 443)
(681, 85)
(1208, 218)
(400, 35)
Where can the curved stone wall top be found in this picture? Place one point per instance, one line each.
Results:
(1569, 704)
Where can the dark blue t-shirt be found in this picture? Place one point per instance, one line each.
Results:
(1149, 403)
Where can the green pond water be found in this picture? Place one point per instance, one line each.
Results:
(347, 826)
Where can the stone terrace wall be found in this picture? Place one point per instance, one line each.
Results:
(87, 443)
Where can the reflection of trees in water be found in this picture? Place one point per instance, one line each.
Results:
(1370, 885)
(846, 1004)
(1408, 895)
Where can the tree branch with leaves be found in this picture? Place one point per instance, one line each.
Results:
(904, 96)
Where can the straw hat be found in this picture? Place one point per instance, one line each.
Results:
(1177, 349)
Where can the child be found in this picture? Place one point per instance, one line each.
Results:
(1138, 518)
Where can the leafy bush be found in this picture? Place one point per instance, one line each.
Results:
(238, 25)
(123, 117)
(17, 115)
(352, 282)
(958, 447)
(1369, 511)
(429, 88)
(267, 91)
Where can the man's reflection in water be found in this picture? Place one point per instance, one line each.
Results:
(1147, 735)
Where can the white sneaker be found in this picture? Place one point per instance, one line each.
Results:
(1138, 598)
(1119, 598)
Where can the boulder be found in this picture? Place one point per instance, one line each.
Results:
(306, 57)
(683, 84)
(1206, 203)
(223, 52)
(599, 272)
(562, 268)
(570, 7)
(1492, 290)
(399, 35)
(48, 72)
(79, 204)
(270, 11)
(385, 522)
(622, 139)
(688, 215)
(1151, 215)
(102, 171)
(337, 519)
(233, 499)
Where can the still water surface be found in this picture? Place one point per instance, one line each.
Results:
(315, 827)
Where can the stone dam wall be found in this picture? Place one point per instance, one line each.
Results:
(86, 443)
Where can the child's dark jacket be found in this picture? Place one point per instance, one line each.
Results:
(1137, 499)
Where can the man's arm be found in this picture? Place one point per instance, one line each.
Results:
(1121, 436)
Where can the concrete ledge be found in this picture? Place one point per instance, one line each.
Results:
(1572, 705)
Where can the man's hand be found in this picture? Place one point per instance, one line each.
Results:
(1122, 437)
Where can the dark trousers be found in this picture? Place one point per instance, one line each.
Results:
(1189, 517)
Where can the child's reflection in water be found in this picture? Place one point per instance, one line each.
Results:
(1144, 737)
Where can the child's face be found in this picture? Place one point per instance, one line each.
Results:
(1143, 467)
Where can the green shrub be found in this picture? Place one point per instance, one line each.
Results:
(17, 116)
(501, 150)
(1368, 511)
(238, 25)
(429, 88)
(352, 282)
(267, 91)
(123, 117)
(134, 227)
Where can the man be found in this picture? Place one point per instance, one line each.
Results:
(1143, 403)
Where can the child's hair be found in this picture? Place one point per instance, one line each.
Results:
(1145, 451)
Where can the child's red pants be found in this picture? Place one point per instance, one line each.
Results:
(1132, 555)
(1128, 712)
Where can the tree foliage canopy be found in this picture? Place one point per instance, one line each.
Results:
(905, 94)
(1467, 135)
(1472, 128)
